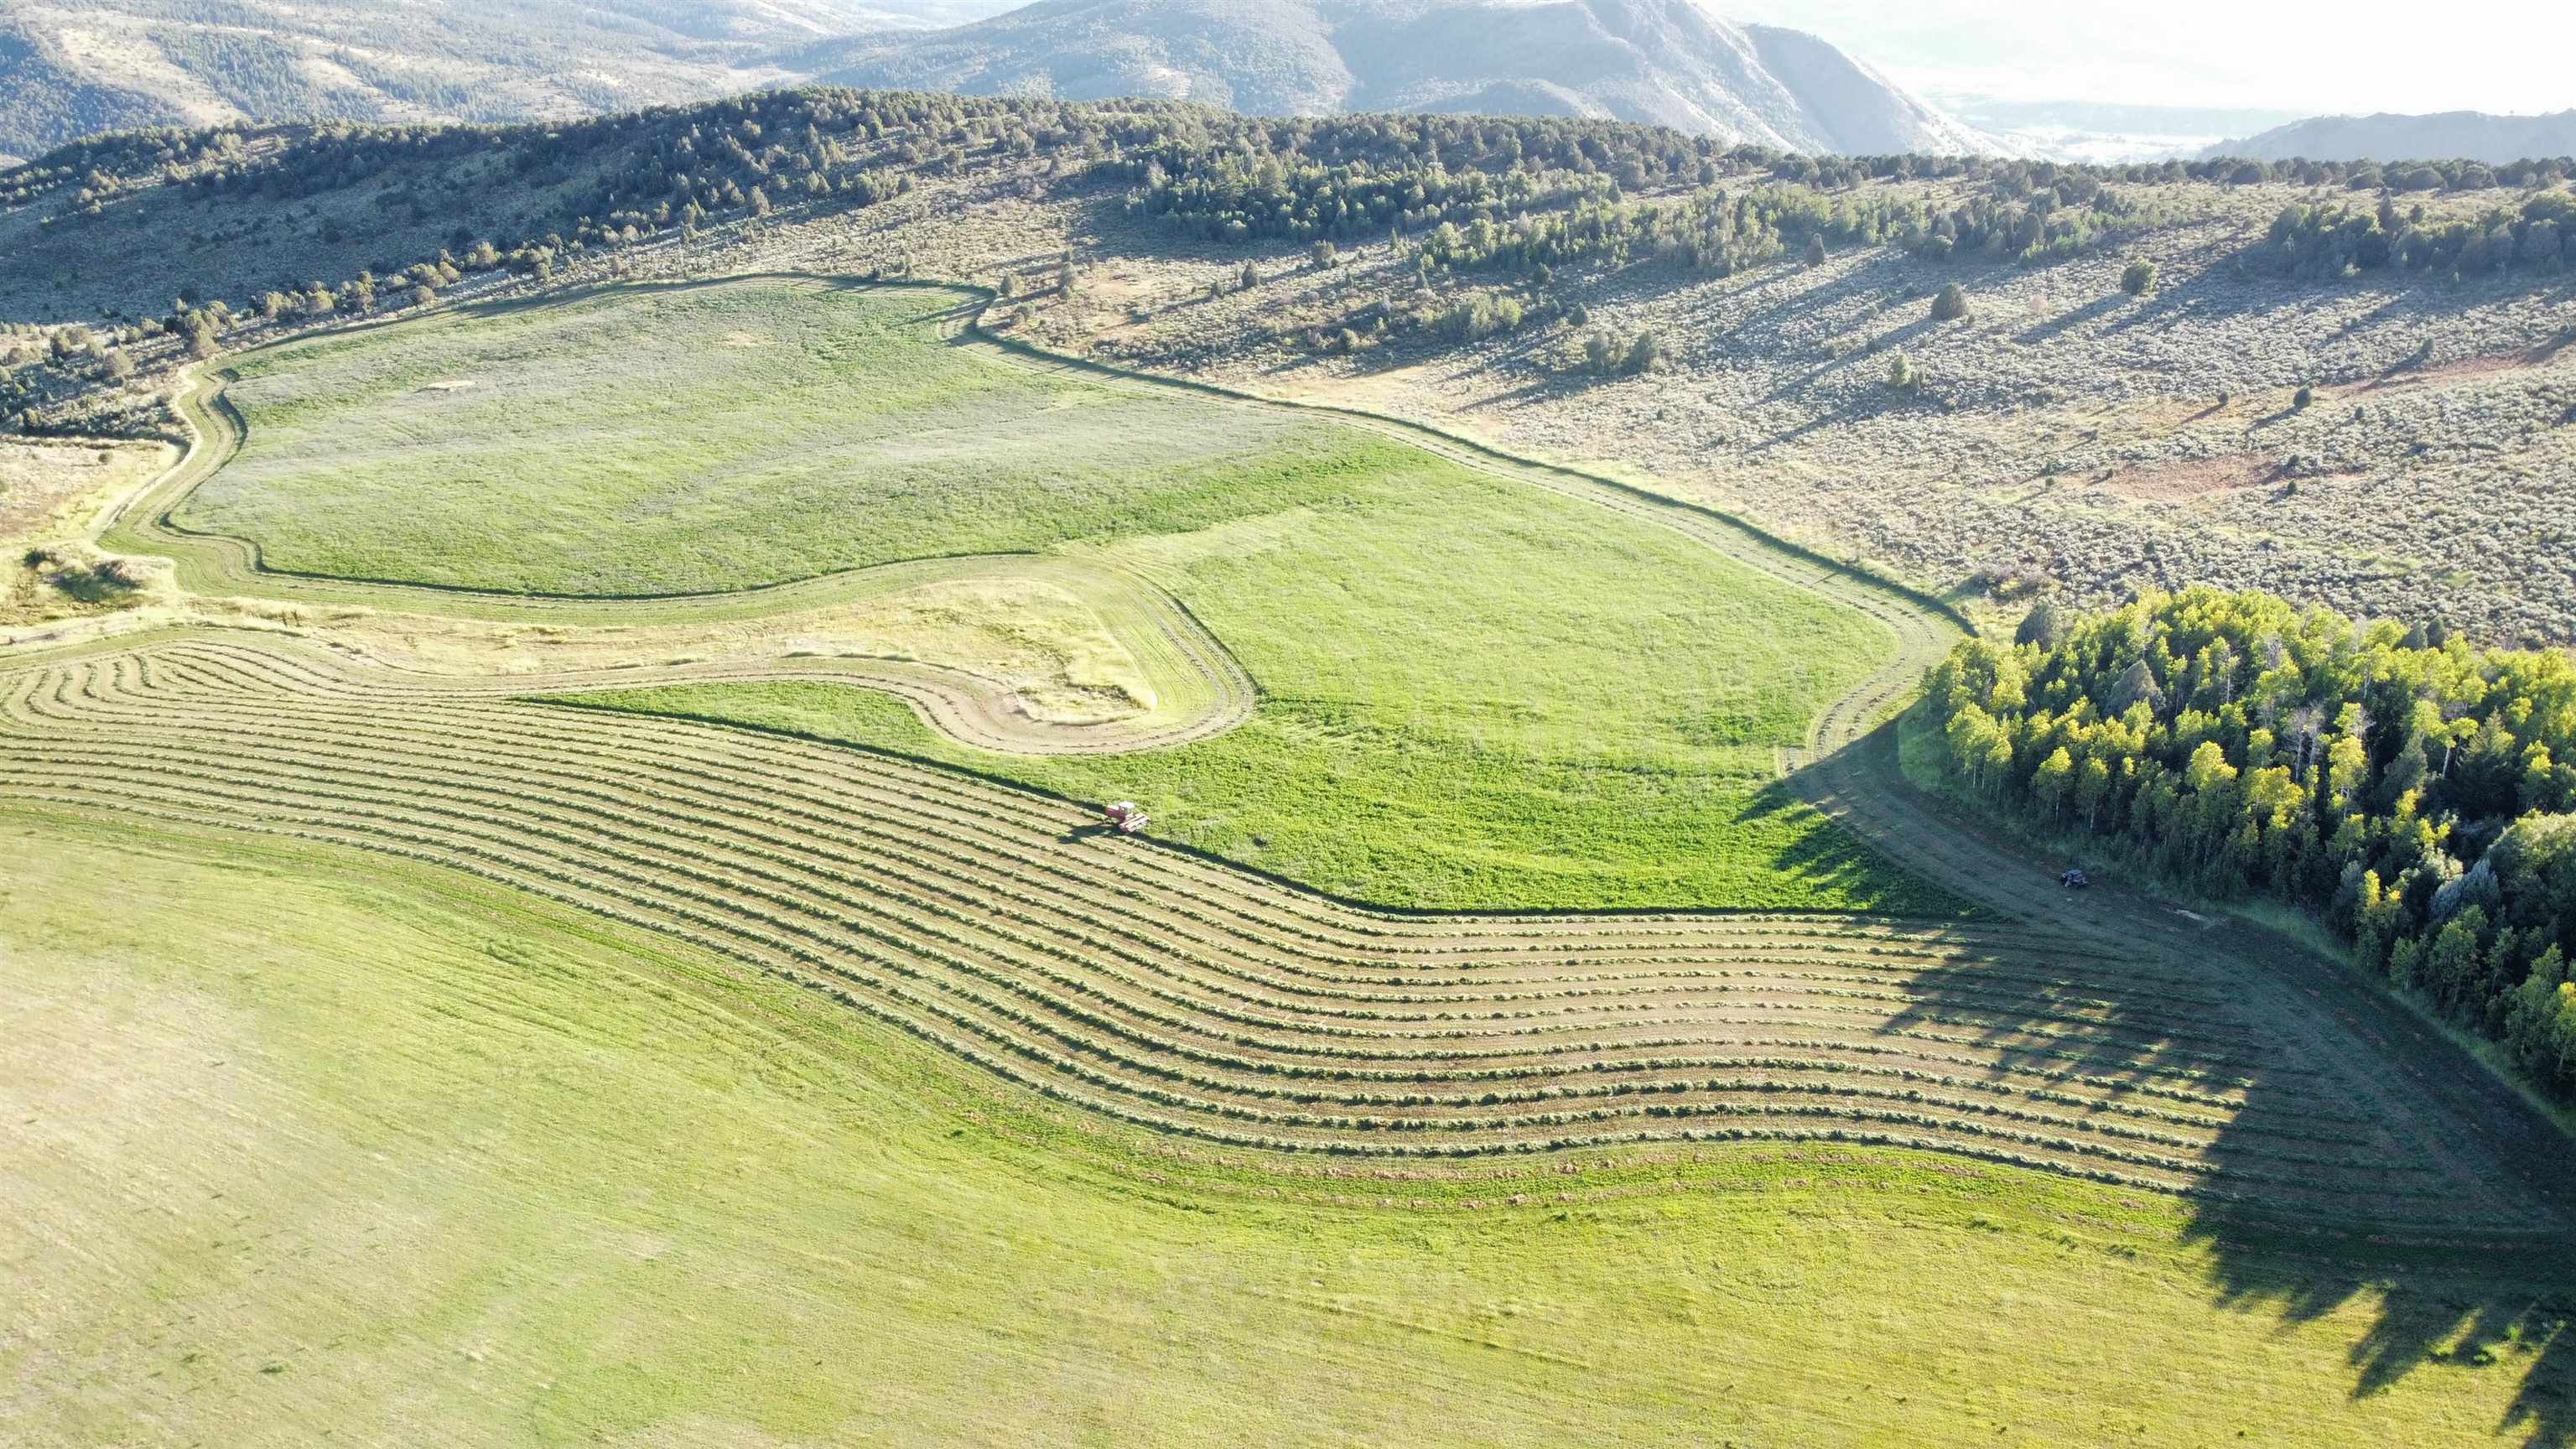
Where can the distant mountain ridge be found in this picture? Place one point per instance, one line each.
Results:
(69, 72)
(1666, 62)
(116, 64)
(2443, 136)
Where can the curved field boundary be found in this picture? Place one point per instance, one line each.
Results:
(2454, 1107)
(1923, 627)
(1179, 994)
(1192, 999)
(1200, 688)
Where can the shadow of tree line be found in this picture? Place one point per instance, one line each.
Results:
(2446, 1221)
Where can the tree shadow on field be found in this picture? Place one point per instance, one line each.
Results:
(1830, 864)
(2371, 1177)
(2072, 318)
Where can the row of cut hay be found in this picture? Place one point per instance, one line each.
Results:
(956, 910)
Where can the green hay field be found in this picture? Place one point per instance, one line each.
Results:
(307, 1147)
(710, 438)
(1474, 693)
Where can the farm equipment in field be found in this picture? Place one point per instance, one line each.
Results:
(1126, 817)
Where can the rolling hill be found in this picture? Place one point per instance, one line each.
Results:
(1662, 61)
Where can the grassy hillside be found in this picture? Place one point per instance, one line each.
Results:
(1475, 693)
(726, 438)
(303, 1145)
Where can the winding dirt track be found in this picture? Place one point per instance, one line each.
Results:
(2094, 1038)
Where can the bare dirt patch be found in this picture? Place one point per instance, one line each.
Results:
(2460, 370)
(2198, 478)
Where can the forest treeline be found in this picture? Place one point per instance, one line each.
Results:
(1477, 190)
(1457, 221)
(1519, 206)
(2414, 791)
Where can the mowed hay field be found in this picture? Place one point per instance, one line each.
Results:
(307, 1145)
(1474, 693)
(1153, 988)
(688, 1052)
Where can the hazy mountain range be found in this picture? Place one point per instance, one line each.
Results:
(2107, 132)
(1664, 61)
(67, 72)
(2447, 135)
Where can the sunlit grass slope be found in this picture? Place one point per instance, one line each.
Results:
(303, 1143)
(702, 438)
(1475, 693)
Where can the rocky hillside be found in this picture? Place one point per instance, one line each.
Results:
(2462, 135)
(1667, 62)
(68, 72)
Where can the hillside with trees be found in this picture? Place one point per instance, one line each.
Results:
(2412, 790)
(1983, 376)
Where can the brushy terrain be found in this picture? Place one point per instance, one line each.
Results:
(419, 1148)
(1474, 693)
(2064, 435)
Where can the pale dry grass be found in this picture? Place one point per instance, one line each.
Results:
(53, 493)
(1027, 637)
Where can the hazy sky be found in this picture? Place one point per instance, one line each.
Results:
(2358, 55)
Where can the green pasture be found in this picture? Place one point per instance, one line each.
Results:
(1475, 693)
(311, 1147)
(684, 440)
